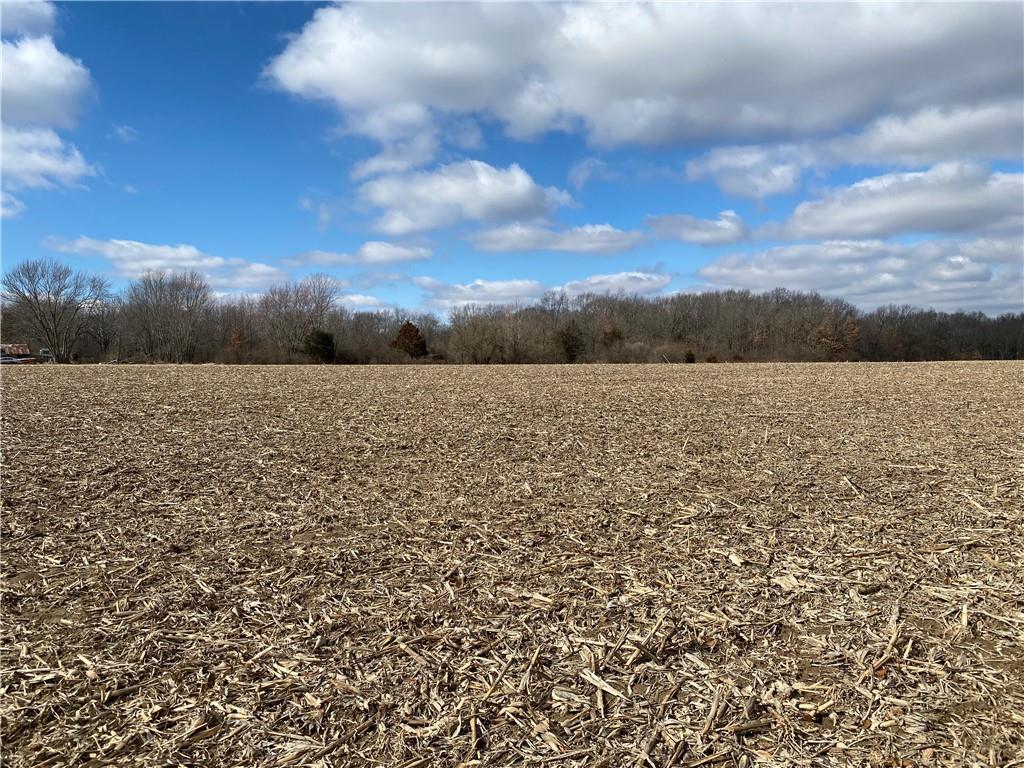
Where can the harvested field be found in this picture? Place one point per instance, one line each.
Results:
(571, 565)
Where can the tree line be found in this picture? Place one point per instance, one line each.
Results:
(175, 317)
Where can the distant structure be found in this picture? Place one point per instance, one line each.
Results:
(21, 353)
(15, 350)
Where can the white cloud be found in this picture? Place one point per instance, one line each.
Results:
(10, 206)
(41, 89)
(948, 275)
(440, 295)
(41, 85)
(398, 156)
(131, 259)
(473, 190)
(590, 168)
(39, 158)
(988, 131)
(444, 296)
(994, 250)
(751, 172)
(324, 211)
(370, 254)
(27, 17)
(590, 238)
(388, 70)
(361, 301)
(727, 228)
(126, 133)
(376, 252)
(406, 133)
(621, 282)
(950, 197)
(238, 274)
(651, 73)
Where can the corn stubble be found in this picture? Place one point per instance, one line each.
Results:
(437, 566)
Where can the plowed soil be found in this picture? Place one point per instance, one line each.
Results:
(569, 565)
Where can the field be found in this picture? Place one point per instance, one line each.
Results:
(571, 565)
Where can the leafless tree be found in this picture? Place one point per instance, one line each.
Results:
(290, 312)
(53, 300)
(175, 318)
(103, 323)
(166, 312)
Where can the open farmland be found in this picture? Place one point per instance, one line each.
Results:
(567, 565)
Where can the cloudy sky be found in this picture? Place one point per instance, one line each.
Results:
(430, 155)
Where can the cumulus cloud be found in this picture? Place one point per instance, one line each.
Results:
(39, 158)
(41, 85)
(444, 296)
(612, 71)
(621, 282)
(389, 70)
(467, 190)
(983, 274)
(590, 238)
(988, 131)
(727, 228)
(752, 172)
(131, 259)
(41, 89)
(373, 253)
(950, 197)
(407, 134)
(27, 17)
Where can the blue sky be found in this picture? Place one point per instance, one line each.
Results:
(433, 155)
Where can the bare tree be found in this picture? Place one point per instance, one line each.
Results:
(53, 299)
(166, 312)
(292, 311)
(103, 323)
(174, 318)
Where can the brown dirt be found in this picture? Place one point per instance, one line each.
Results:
(567, 565)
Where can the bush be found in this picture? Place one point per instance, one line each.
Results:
(410, 341)
(320, 346)
(612, 337)
(711, 359)
(571, 340)
(690, 357)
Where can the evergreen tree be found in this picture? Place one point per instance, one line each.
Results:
(410, 341)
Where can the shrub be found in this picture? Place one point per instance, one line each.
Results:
(690, 357)
(320, 346)
(612, 336)
(711, 359)
(571, 340)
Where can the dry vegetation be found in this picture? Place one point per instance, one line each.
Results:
(420, 566)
